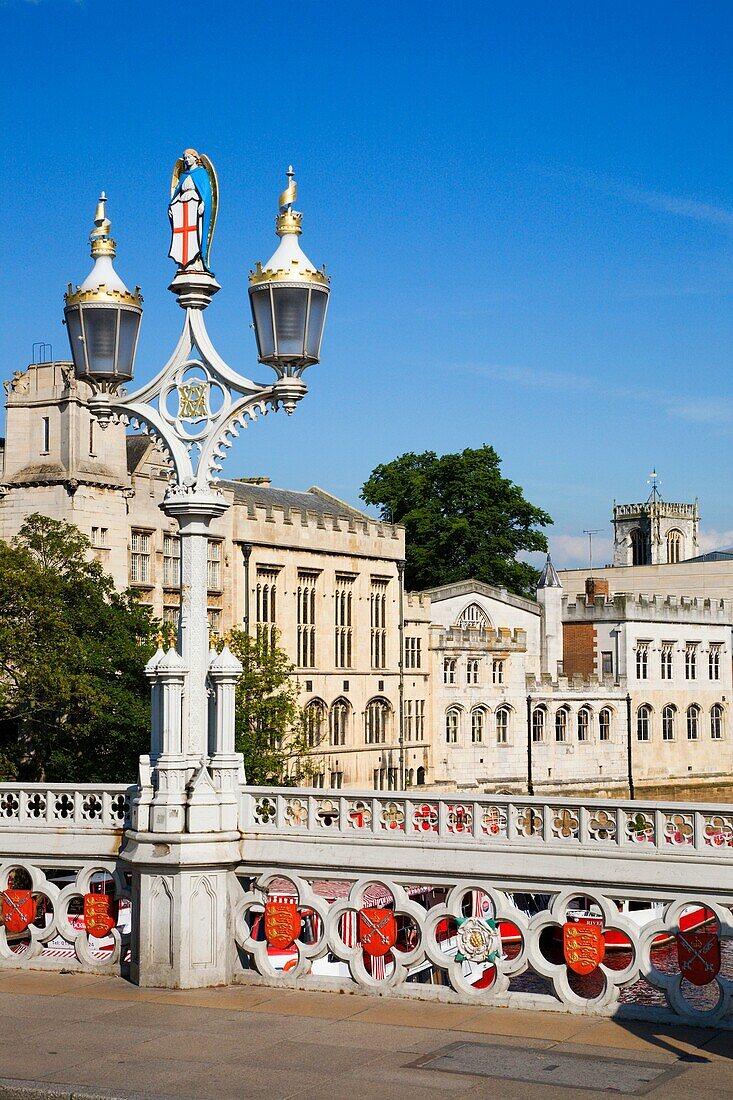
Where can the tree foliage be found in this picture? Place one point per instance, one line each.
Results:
(270, 728)
(462, 518)
(74, 699)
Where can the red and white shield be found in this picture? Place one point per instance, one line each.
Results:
(282, 923)
(377, 931)
(186, 234)
(18, 910)
(699, 956)
(100, 914)
(583, 945)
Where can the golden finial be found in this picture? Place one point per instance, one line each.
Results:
(288, 220)
(160, 639)
(102, 244)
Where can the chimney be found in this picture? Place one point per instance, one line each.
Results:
(595, 586)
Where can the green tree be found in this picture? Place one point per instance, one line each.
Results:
(462, 518)
(270, 727)
(74, 699)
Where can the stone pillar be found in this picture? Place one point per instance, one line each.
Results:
(183, 931)
(227, 766)
(184, 843)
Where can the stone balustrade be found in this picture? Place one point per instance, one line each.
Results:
(464, 899)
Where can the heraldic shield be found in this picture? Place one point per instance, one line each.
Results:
(282, 923)
(583, 946)
(100, 914)
(377, 931)
(18, 910)
(185, 230)
(699, 956)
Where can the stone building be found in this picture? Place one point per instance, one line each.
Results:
(673, 655)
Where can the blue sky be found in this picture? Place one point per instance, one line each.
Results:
(526, 210)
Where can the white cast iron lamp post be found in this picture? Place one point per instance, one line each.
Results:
(193, 408)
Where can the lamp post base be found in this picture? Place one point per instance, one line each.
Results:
(183, 930)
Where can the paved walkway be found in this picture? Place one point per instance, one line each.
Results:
(64, 1035)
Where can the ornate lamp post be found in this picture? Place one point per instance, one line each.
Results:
(193, 407)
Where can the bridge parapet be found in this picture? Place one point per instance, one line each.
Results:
(411, 894)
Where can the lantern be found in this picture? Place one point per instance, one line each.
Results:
(102, 316)
(289, 298)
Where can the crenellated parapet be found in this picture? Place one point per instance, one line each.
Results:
(577, 684)
(645, 608)
(478, 637)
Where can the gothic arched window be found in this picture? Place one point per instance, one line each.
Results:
(643, 722)
(473, 615)
(668, 716)
(674, 546)
(638, 547)
(716, 722)
(338, 722)
(315, 719)
(376, 716)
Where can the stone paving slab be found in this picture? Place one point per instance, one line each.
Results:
(74, 1035)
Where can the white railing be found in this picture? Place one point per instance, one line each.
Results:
(479, 941)
(549, 824)
(65, 805)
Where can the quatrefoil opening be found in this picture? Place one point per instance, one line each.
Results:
(708, 1002)
(280, 924)
(478, 936)
(599, 987)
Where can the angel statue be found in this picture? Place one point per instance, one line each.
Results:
(192, 210)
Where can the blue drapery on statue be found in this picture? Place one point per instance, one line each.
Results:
(200, 179)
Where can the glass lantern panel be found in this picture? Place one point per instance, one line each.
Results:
(290, 308)
(73, 327)
(316, 319)
(129, 325)
(262, 317)
(100, 328)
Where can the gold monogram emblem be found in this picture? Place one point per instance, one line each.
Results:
(193, 400)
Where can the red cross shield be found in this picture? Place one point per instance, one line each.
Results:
(583, 946)
(18, 910)
(100, 914)
(699, 956)
(377, 931)
(282, 923)
(186, 235)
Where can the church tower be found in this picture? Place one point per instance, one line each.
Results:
(656, 532)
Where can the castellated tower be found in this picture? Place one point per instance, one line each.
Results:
(56, 460)
(549, 597)
(656, 532)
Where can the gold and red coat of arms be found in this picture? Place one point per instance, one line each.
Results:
(699, 956)
(282, 923)
(100, 914)
(18, 910)
(377, 931)
(583, 946)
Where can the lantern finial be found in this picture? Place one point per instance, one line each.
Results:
(288, 220)
(99, 238)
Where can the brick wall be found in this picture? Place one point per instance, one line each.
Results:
(579, 648)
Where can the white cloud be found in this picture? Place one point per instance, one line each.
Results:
(714, 540)
(698, 410)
